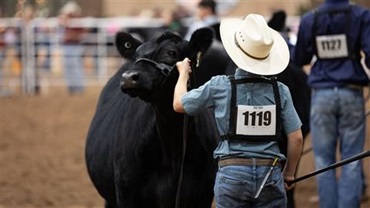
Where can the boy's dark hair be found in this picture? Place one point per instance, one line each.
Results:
(208, 4)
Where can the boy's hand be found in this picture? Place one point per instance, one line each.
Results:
(289, 178)
(184, 66)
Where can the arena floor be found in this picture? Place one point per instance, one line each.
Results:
(42, 153)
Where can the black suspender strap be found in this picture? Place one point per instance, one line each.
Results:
(232, 121)
(347, 32)
(233, 110)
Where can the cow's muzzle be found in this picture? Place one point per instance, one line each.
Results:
(129, 80)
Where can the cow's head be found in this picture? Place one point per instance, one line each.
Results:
(153, 71)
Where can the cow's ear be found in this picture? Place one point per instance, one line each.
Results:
(216, 31)
(168, 35)
(199, 43)
(126, 44)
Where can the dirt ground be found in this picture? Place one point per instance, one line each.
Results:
(42, 153)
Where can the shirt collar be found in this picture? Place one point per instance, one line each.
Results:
(241, 72)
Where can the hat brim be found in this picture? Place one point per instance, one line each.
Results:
(275, 63)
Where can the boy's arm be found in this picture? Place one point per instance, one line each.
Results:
(181, 86)
(295, 144)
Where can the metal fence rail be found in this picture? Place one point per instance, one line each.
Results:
(31, 55)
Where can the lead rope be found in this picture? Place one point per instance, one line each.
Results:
(367, 101)
(185, 133)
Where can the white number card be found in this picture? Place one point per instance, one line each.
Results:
(332, 46)
(256, 120)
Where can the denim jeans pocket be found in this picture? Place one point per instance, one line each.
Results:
(274, 187)
(231, 184)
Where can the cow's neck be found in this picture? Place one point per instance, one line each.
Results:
(166, 117)
(169, 125)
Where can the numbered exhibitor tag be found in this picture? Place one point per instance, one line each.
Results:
(331, 46)
(256, 120)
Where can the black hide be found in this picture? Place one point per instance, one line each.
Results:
(135, 140)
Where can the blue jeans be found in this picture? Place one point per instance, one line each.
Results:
(74, 68)
(338, 117)
(236, 186)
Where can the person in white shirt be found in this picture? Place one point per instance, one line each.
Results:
(207, 16)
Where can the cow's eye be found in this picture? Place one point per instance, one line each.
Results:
(172, 53)
(128, 45)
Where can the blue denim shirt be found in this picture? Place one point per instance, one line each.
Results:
(335, 72)
(216, 94)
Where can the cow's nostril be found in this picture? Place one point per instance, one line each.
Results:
(131, 76)
(135, 77)
(130, 80)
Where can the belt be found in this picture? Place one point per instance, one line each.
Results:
(347, 86)
(354, 86)
(246, 162)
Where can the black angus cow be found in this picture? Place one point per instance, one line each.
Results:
(134, 146)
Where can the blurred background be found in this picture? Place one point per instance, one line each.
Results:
(32, 34)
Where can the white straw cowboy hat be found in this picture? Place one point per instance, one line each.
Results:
(254, 46)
